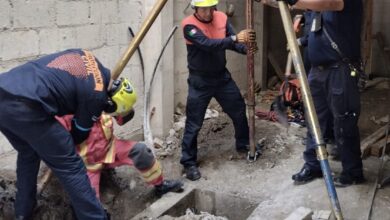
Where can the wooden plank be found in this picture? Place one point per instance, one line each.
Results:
(366, 144)
(377, 147)
(367, 35)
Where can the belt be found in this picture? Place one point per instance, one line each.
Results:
(217, 74)
(327, 66)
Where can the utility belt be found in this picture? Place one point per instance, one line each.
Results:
(216, 74)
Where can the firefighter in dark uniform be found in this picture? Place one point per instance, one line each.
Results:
(68, 82)
(333, 82)
(208, 35)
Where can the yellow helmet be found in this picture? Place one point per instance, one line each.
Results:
(123, 95)
(204, 3)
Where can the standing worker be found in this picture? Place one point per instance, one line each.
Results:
(334, 53)
(67, 82)
(208, 35)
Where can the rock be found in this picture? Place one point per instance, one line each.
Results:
(301, 213)
(211, 113)
(322, 215)
(158, 143)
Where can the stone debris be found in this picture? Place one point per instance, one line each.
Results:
(301, 213)
(190, 215)
(211, 113)
(322, 215)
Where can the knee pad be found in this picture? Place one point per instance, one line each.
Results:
(142, 156)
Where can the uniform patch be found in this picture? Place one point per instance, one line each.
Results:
(93, 69)
(71, 63)
(192, 32)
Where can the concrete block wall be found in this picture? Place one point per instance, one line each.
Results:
(30, 29)
(236, 63)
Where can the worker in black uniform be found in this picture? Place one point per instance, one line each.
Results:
(68, 82)
(334, 53)
(208, 35)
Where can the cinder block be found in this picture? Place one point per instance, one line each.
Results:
(89, 36)
(300, 213)
(104, 12)
(118, 34)
(66, 38)
(48, 40)
(5, 14)
(72, 13)
(19, 44)
(31, 14)
(130, 10)
(108, 55)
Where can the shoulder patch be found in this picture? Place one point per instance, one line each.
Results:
(192, 32)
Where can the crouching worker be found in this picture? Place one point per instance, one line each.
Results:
(103, 150)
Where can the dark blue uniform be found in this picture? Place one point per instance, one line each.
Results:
(68, 82)
(209, 78)
(334, 88)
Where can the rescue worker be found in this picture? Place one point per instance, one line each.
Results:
(32, 94)
(103, 150)
(334, 53)
(208, 35)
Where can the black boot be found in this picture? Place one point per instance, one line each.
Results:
(169, 186)
(192, 173)
(306, 175)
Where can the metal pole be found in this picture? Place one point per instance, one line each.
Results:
(311, 115)
(138, 38)
(251, 94)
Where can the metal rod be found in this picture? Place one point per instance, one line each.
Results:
(311, 115)
(250, 92)
(138, 38)
(148, 136)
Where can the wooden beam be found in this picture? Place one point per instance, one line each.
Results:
(365, 145)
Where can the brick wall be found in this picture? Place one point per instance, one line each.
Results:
(30, 29)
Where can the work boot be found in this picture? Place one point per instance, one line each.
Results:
(169, 186)
(306, 175)
(346, 180)
(192, 173)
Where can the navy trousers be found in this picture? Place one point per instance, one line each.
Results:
(38, 136)
(200, 91)
(337, 103)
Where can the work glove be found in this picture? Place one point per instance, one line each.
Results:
(252, 48)
(245, 36)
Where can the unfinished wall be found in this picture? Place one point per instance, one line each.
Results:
(30, 29)
(381, 23)
(236, 62)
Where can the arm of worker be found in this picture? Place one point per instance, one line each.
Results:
(87, 114)
(196, 36)
(315, 5)
(238, 47)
